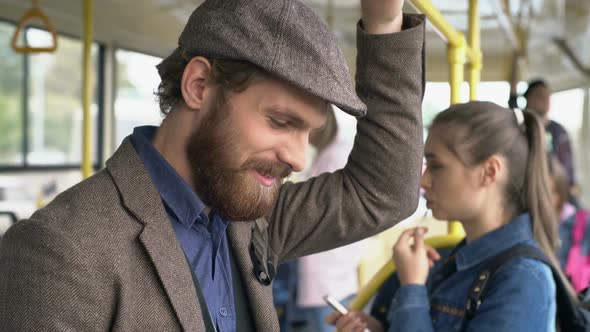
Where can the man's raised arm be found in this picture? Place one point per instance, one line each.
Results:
(380, 184)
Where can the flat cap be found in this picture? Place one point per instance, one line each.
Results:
(284, 37)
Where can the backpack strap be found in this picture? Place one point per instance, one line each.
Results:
(478, 287)
(567, 311)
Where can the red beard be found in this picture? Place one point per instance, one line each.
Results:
(231, 191)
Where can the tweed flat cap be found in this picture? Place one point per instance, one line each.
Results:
(284, 37)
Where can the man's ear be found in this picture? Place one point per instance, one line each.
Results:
(492, 170)
(193, 81)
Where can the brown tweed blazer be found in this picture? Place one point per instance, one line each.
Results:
(103, 255)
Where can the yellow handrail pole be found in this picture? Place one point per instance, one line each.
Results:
(456, 229)
(437, 20)
(87, 89)
(449, 34)
(474, 42)
(457, 59)
(365, 293)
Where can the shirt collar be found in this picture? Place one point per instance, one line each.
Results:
(491, 244)
(177, 195)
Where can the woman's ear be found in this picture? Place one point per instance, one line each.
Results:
(193, 82)
(493, 170)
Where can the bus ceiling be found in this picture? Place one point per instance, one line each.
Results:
(130, 25)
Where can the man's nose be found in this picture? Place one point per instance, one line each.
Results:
(293, 154)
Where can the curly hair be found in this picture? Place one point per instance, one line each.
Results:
(228, 75)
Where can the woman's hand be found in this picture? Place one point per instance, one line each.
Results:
(413, 259)
(354, 321)
(382, 16)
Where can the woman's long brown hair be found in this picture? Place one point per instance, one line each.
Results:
(475, 131)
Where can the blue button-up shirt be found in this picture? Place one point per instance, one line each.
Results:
(520, 297)
(202, 237)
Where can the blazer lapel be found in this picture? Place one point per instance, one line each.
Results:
(240, 234)
(141, 198)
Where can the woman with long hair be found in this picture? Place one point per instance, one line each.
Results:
(486, 167)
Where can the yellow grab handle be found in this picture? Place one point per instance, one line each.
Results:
(31, 14)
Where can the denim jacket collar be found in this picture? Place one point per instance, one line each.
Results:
(473, 253)
(178, 197)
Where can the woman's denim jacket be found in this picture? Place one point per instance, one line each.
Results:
(520, 297)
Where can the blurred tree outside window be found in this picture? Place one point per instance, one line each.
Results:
(11, 100)
(438, 95)
(135, 102)
(567, 108)
(55, 102)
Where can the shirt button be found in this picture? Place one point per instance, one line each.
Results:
(223, 311)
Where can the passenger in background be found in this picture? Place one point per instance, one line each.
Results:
(300, 284)
(332, 272)
(574, 251)
(538, 96)
(486, 167)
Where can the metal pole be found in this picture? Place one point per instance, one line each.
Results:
(442, 27)
(474, 41)
(457, 59)
(87, 89)
(330, 14)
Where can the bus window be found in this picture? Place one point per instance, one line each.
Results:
(437, 96)
(135, 103)
(54, 107)
(11, 100)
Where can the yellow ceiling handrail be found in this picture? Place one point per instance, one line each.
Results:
(33, 13)
(365, 294)
(442, 27)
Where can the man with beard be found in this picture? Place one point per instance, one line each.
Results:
(184, 227)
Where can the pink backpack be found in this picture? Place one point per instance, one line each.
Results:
(578, 265)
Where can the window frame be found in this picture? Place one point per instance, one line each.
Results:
(24, 165)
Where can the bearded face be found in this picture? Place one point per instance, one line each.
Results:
(223, 181)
